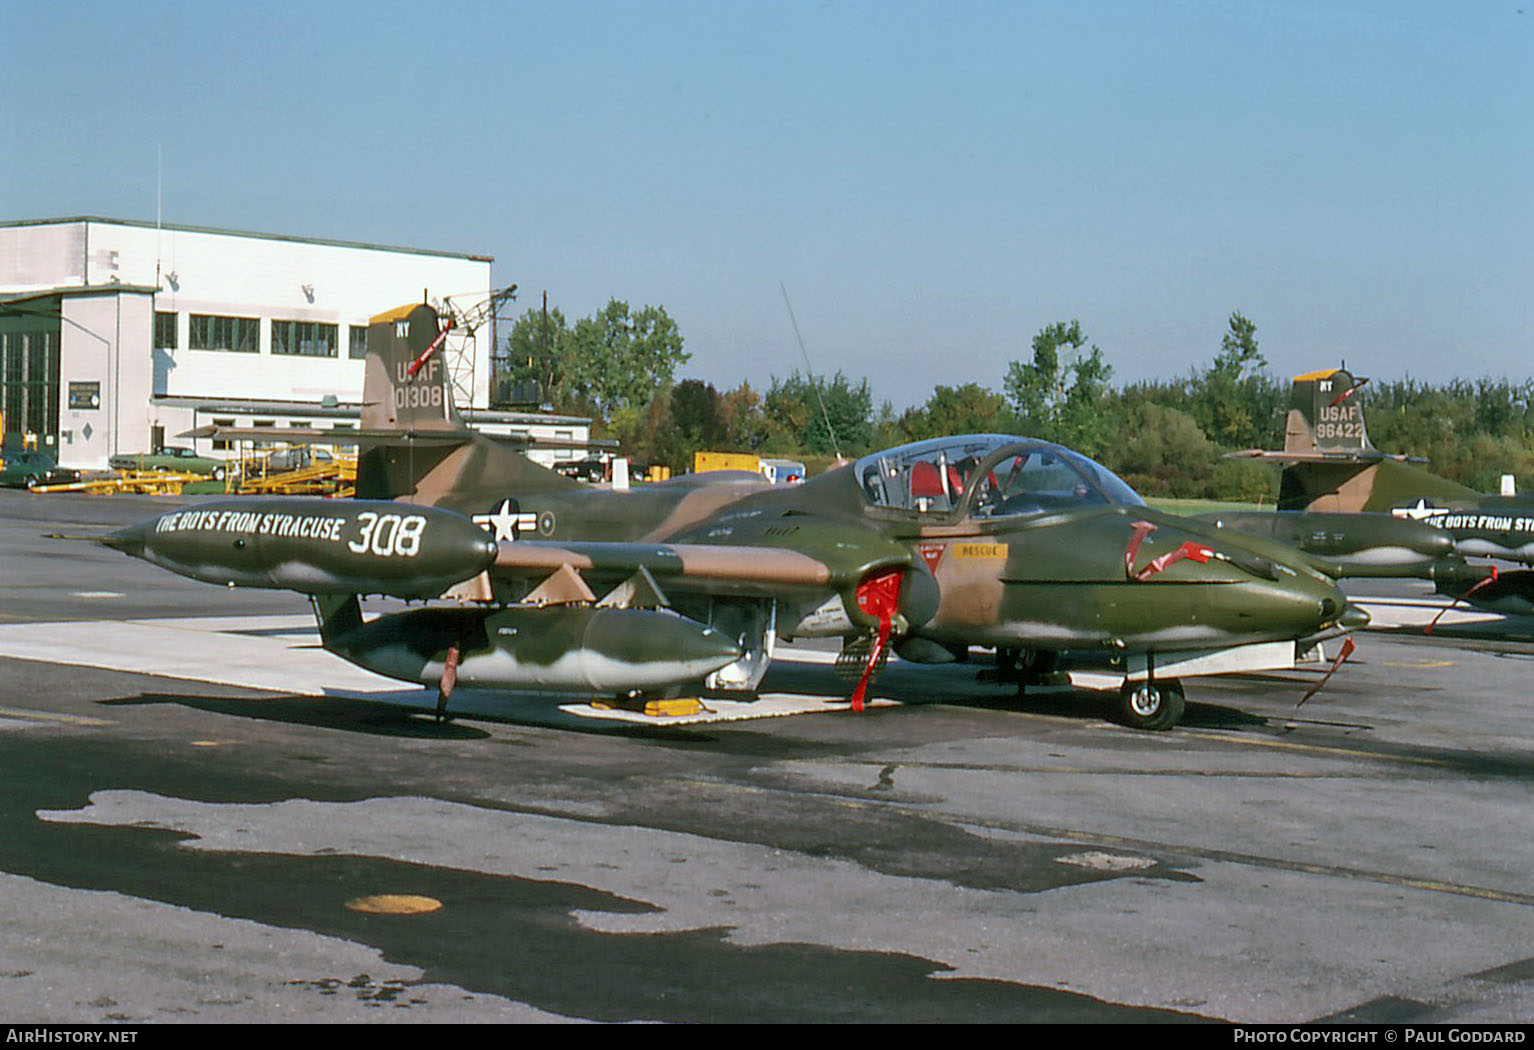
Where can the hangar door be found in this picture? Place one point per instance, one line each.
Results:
(29, 379)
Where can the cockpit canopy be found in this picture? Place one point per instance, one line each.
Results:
(992, 475)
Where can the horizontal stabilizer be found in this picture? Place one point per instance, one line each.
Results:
(389, 436)
(1368, 455)
(310, 436)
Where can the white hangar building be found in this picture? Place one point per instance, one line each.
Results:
(116, 336)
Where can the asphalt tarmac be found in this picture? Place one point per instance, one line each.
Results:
(214, 841)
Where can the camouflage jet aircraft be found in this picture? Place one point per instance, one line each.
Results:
(1363, 512)
(929, 548)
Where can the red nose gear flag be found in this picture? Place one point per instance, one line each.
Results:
(879, 596)
(1490, 579)
(448, 680)
(1348, 645)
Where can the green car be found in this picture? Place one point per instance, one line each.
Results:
(27, 468)
(172, 458)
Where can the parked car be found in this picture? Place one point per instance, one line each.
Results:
(173, 458)
(592, 468)
(25, 467)
(299, 457)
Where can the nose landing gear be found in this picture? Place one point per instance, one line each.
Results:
(1153, 704)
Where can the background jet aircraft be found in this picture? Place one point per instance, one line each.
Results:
(1363, 512)
(928, 548)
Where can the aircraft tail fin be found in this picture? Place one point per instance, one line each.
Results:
(1325, 433)
(405, 383)
(1325, 416)
(1332, 464)
(417, 446)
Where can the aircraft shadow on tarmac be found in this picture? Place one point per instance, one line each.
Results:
(356, 716)
(1482, 637)
(407, 715)
(407, 712)
(962, 685)
(391, 718)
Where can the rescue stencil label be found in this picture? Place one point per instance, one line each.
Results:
(979, 550)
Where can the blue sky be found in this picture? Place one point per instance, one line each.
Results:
(932, 182)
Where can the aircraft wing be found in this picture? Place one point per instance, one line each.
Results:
(746, 570)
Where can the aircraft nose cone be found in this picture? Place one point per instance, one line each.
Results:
(1442, 544)
(129, 540)
(709, 645)
(1354, 618)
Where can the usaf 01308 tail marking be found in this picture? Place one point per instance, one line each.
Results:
(927, 548)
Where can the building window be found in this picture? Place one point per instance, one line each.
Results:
(263, 423)
(222, 444)
(240, 335)
(164, 331)
(359, 344)
(304, 338)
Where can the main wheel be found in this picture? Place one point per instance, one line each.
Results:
(218, 473)
(1150, 705)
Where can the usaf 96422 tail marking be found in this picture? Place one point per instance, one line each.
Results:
(1362, 512)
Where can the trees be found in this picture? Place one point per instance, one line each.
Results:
(793, 405)
(1236, 405)
(626, 357)
(616, 358)
(1160, 449)
(967, 409)
(1059, 395)
(539, 352)
(1471, 433)
(697, 413)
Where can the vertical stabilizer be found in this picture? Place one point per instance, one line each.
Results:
(416, 447)
(1325, 414)
(406, 384)
(1337, 467)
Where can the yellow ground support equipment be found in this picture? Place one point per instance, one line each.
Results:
(136, 482)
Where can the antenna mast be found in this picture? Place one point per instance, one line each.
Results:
(814, 384)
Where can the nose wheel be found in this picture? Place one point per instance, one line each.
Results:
(1153, 704)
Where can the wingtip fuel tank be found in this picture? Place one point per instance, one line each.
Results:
(314, 546)
(555, 648)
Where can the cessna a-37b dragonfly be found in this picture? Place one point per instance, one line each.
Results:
(930, 548)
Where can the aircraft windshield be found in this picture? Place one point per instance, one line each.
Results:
(998, 474)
